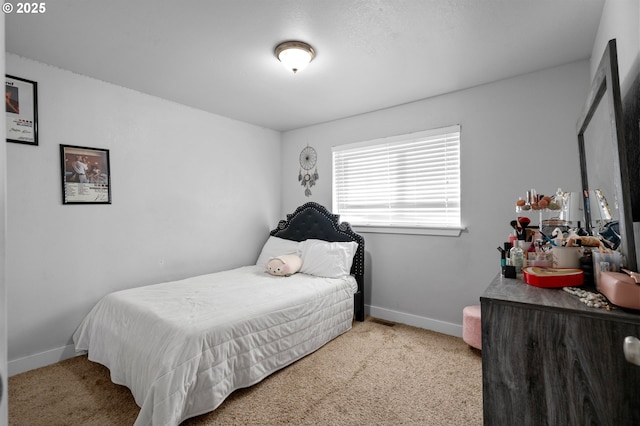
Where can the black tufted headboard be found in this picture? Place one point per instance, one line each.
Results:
(312, 220)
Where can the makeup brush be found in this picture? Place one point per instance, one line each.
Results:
(523, 222)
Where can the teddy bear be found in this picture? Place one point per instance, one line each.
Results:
(283, 266)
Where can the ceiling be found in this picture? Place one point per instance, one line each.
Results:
(217, 55)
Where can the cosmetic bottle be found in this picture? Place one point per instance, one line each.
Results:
(516, 254)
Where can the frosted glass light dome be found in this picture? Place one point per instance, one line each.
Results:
(294, 55)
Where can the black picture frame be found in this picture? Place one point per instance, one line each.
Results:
(21, 106)
(86, 175)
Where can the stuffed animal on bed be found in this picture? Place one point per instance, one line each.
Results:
(283, 266)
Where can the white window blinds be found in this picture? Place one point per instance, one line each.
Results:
(405, 181)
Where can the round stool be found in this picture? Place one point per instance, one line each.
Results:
(471, 326)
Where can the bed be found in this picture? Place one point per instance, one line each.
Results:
(182, 347)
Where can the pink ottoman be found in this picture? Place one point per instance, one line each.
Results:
(471, 326)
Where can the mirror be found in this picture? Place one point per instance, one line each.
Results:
(603, 165)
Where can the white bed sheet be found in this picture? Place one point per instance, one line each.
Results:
(182, 347)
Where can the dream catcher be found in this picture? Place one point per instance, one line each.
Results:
(308, 159)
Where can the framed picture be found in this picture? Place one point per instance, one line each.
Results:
(21, 104)
(86, 175)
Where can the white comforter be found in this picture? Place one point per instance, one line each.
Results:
(182, 347)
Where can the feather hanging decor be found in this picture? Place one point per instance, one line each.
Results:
(308, 159)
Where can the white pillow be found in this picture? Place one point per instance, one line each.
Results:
(325, 259)
(275, 247)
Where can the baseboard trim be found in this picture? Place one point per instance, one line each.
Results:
(42, 359)
(415, 320)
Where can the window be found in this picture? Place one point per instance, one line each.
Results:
(408, 182)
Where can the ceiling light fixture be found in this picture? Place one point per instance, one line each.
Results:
(294, 55)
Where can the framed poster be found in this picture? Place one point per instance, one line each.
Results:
(86, 175)
(21, 104)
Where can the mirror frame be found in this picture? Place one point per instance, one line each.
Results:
(606, 83)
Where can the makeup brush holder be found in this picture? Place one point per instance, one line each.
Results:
(566, 257)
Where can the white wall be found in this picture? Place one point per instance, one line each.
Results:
(182, 179)
(620, 20)
(516, 134)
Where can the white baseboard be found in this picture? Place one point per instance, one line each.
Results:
(42, 359)
(415, 320)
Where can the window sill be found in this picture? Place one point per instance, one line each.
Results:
(442, 232)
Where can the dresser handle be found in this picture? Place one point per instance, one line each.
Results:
(632, 350)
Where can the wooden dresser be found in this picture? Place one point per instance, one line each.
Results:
(548, 359)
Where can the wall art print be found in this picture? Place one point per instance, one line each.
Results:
(21, 104)
(86, 175)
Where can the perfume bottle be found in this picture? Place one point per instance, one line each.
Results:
(516, 254)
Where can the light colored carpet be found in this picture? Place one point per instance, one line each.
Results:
(374, 374)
